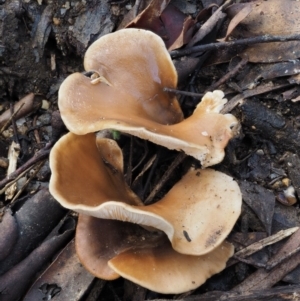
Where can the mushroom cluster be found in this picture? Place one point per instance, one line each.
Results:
(175, 244)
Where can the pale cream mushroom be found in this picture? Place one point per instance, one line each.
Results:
(130, 68)
(196, 214)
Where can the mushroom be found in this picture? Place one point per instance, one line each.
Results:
(81, 172)
(109, 249)
(129, 70)
(196, 214)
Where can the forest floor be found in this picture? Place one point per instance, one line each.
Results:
(42, 42)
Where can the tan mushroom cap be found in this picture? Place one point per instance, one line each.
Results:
(109, 248)
(87, 107)
(162, 269)
(196, 214)
(133, 66)
(82, 173)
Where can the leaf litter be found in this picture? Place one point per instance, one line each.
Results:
(264, 157)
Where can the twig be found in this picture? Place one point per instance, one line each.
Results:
(137, 7)
(143, 158)
(263, 279)
(270, 266)
(242, 42)
(153, 167)
(250, 262)
(229, 75)
(182, 92)
(14, 180)
(129, 168)
(11, 117)
(210, 24)
(35, 131)
(40, 155)
(255, 247)
(38, 167)
(13, 122)
(180, 157)
(279, 293)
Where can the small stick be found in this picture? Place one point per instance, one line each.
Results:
(14, 180)
(242, 42)
(250, 262)
(276, 262)
(13, 122)
(129, 168)
(40, 155)
(259, 245)
(153, 167)
(180, 157)
(35, 131)
(38, 167)
(182, 92)
(11, 117)
(137, 7)
(143, 158)
(229, 75)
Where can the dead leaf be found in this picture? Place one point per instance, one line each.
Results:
(65, 279)
(274, 17)
(36, 217)
(261, 201)
(15, 282)
(167, 21)
(239, 17)
(149, 18)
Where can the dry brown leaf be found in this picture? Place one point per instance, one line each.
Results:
(274, 17)
(167, 21)
(239, 17)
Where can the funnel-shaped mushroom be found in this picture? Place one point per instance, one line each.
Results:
(131, 67)
(109, 248)
(196, 214)
(83, 172)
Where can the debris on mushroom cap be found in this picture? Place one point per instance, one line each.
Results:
(196, 214)
(89, 108)
(82, 173)
(112, 248)
(129, 70)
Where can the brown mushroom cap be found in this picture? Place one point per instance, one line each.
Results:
(204, 135)
(197, 213)
(87, 107)
(82, 173)
(133, 66)
(162, 269)
(109, 248)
